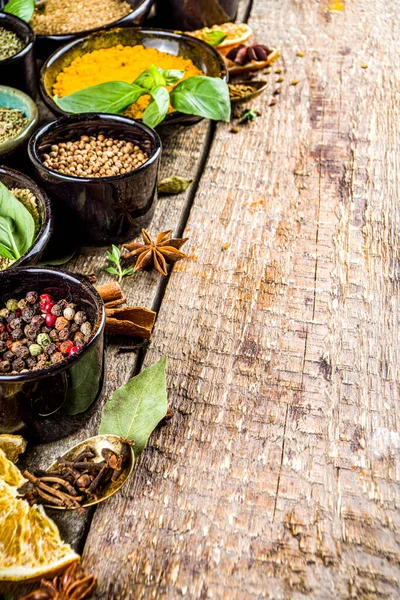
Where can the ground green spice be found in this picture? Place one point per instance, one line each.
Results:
(28, 199)
(52, 17)
(10, 43)
(12, 122)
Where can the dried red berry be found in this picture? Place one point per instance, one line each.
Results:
(66, 346)
(74, 350)
(50, 319)
(46, 298)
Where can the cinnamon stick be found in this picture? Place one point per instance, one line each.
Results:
(115, 303)
(134, 321)
(110, 291)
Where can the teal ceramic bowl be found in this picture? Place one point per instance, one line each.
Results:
(12, 98)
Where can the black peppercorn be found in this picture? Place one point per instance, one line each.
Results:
(22, 352)
(8, 355)
(17, 334)
(16, 323)
(56, 310)
(28, 314)
(5, 366)
(50, 349)
(18, 364)
(37, 321)
(31, 297)
(63, 334)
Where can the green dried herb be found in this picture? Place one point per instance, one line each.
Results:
(10, 44)
(249, 114)
(173, 185)
(12, 122)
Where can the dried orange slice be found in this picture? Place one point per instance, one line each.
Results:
(9, 472)
(236, 33)
(12, 445)
(30, 543)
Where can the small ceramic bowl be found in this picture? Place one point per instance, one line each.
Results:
(12, 98)
(47, 44)
(15, 179)
(52, 403)
(19, 70)
(100, 210)
(203, 56)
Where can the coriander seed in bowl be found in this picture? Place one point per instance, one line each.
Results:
(101, 171)
(94, 156)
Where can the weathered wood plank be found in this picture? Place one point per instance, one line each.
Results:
(279, 475)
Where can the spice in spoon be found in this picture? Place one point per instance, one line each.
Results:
(10, 44)
(81, 480)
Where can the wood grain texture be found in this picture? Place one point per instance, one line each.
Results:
(278, 476)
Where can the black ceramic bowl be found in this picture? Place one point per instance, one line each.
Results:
(195, 14)
(100, 210)
(15, 179)
(203, 56)
(47, 44)
(50, 404)
(19, 71)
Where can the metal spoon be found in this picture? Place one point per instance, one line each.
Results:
(97, 443)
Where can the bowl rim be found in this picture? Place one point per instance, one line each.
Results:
(71, 119)
(47, 225)
(137, 12)
(70, 360)
(163, 33)
(32, 120)
(29, 32)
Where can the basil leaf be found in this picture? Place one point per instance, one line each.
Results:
(203, 96)
(150, 78)
(136, 408)
(156, 110)
(111, 97)
(171, 76)
(215, 37)
(21, 8)
(17, 227)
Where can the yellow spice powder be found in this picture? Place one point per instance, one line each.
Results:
(119, 63)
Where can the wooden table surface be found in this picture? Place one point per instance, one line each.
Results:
(279, 475)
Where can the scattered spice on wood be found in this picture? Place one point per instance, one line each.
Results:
(234, 129)
(248, 115)
(278, 71)
(173, 185)
(75, 482)
(94, 156)
(156, 254)
(10, 44)
(73, 584)
(12, 122)
(364, 66)
(280, 79)
(272, 103)
(300, 54)
(52, 17)
(294, 82)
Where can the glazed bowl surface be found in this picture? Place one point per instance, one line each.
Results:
(100, 210)
(203, 56)
(51, 403)
(47, 44)
(14, 179)
(13, 98)
(19, 70)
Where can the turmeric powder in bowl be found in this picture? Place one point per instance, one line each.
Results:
(119, 63)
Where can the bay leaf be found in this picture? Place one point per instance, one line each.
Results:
(134, 410)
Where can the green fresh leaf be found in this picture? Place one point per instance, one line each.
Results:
(111, 97)
(116, 253)
(61, 259)
(173, 185)
(17, 226)
(156, 110)
(171, 76)
(135, 409)
(203, 96)
(111, 270)
(215, 37)
(21, 8)
(83, 381)
(150, 78)
(128, 271)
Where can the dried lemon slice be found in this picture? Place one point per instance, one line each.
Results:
(13, 445)
(9, 472)
(236, 33)
(30, 543)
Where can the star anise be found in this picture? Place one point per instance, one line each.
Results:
(70, 585)
(164, 251)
